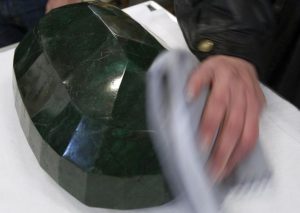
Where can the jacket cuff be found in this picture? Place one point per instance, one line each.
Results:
(231, 43)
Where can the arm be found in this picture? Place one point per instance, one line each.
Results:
(235, 28)
(52, 4)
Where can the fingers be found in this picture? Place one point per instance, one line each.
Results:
(200, 77)
(255, 103)
(249, 135)
(230, 133)
(213, 114)
(233, 107)
(215, 107)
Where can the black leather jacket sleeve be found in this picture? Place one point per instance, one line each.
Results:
(229, 27)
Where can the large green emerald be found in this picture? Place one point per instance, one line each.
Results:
(80, 74)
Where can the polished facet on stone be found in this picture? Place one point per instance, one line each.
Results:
(80, 98)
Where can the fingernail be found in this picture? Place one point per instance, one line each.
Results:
(217, 176)
(190, 95)
(214, 174)
(204, 144)
(225, 174)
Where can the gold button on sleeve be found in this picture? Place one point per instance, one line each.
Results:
(205, 45)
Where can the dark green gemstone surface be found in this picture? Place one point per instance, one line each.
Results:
(81, 102)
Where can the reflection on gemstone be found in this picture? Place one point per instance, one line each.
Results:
(80, 74)
(115, 84)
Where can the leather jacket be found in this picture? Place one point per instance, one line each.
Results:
(229, 27)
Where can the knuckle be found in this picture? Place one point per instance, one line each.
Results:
(220, 155)
(234, 126)
(222, 152)
(208, 126)
(234, 74)
(196, 76)
(220, 99)
(227, 75)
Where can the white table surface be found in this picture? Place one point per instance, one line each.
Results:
(25, 187)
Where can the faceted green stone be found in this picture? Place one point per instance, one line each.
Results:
(80, 74)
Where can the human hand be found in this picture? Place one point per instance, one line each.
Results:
(51, 4)
(234, 105)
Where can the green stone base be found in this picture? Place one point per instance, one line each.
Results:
(80, 96)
